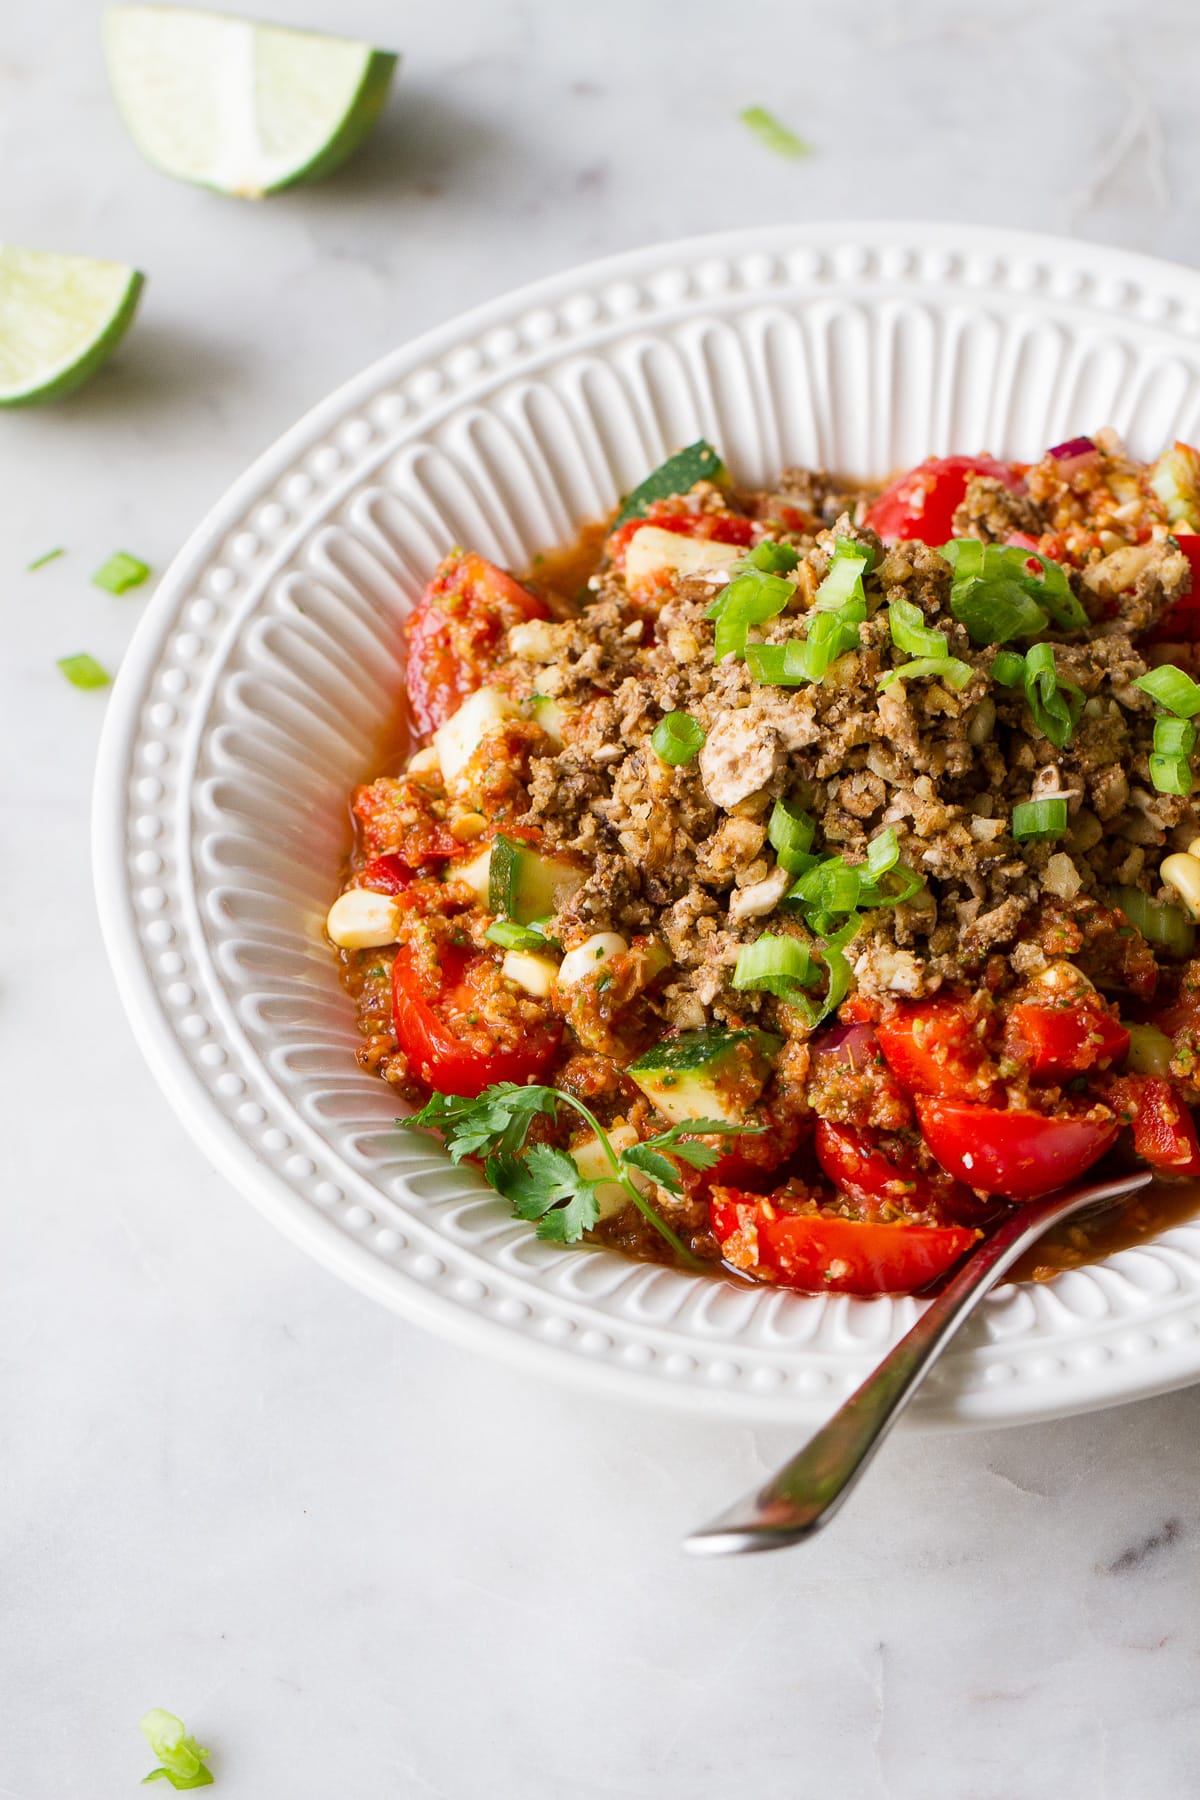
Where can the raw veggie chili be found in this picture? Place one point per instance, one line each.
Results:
(816, 884)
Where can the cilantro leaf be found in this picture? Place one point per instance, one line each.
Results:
(655, 1165)
(546, 1185)
(498, 1120)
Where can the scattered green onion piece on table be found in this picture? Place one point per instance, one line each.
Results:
(775, 136)
(1034, 819)
(1171, 774)
(83, 671)
(911, 634)
(39, 562)
(790, 833)
(949, 669)
(1172, 689)
(677, 739)
(120, 573)
(1164, 925)
(182, 1760)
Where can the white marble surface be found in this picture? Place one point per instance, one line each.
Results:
(358, 1561)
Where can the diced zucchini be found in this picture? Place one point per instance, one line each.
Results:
(548, 713)
(652, 550)
(592, 1164)
(711, 1074)
(524, 884)
(678, 475)
(460, 737)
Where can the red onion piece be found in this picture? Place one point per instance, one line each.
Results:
(1080, 446)
(855, 1045)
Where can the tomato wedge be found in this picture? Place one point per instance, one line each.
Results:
(444, 1037)
(1164, 1131)
(922, 504)
(886, 1171)
(933, 1047)
(819, 1254)
(458, 632)
(1056, 1042)
(1019, 1155)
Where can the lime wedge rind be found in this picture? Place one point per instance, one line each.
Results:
(61, 317)
(240, 107)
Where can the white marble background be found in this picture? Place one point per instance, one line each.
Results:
(359, 1562)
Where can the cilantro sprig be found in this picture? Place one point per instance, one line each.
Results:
(546, 1185)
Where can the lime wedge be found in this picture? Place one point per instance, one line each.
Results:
(236, 106)
(60, 317)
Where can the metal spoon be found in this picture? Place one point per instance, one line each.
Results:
(808, 1490)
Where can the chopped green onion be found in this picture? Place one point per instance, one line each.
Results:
(1171, 774)
(758, 591)
(1055, 705)
(1166, 926)
(833, 886)
(39, 562)
(774, 965)
(183, 1760)
(1172, 689)
(769, 558)
(790, 833)
(883, 851)
(996, 595)
(848, 564)
(1009, 668)
(120, 573)
(1039, 819)
(910, 632)
(677, 738)
(511, 936)
(1174, 737)
(950, 669)
(768, 130)
(83, 671)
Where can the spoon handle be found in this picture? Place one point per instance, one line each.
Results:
(808, 1490)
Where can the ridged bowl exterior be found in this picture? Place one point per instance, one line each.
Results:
(267, 667)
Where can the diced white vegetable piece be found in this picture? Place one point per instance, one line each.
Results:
(535, 639)
(593, 1165)
(362, 920)
(579, 963)
(460, 737)
(652, 550)
(476, 873)
(536, 974)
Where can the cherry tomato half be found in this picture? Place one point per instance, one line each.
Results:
(933, 1047)
(1019, 1155)
(922, 504)
(442, 1037)
(885, 1171)
(458, 632)
(820, 1255)
(1056, 1042)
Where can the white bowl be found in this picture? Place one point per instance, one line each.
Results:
(267, 667)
